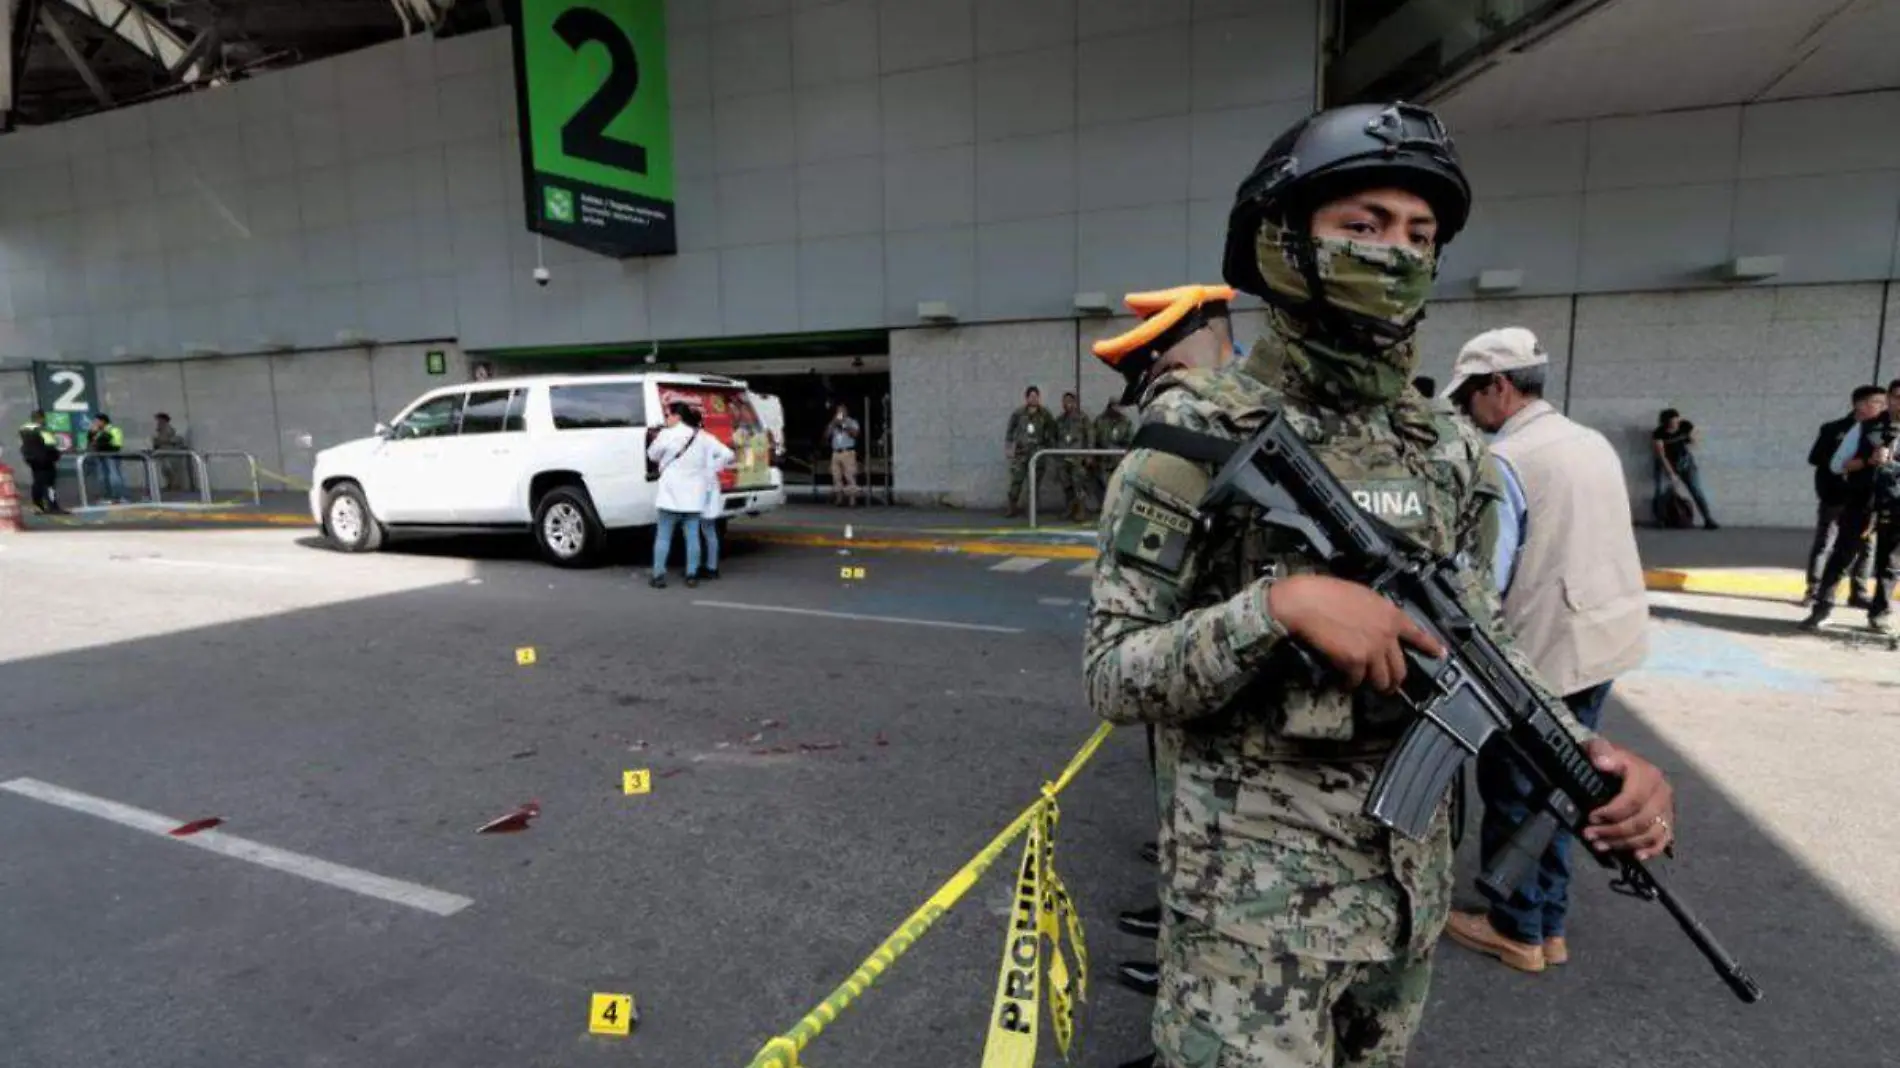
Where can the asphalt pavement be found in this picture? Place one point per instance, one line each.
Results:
(824, 750)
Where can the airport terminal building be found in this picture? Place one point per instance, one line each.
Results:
(920, 207)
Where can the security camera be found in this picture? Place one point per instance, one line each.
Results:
(542, 275)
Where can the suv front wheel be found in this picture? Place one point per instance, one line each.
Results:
(348, 522)
(566, 529)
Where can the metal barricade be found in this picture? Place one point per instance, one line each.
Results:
(1035, 481)
(205, 458)
(159, 456)
(151, 472)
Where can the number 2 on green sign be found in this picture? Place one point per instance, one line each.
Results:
(585, 135)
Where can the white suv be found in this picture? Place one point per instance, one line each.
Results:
(561, 455)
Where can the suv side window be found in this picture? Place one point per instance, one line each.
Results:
(433, 419)
(487, 412)
(516, 418)
(598, 407)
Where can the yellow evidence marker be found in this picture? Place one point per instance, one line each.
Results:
(524, 655)
(850, 572)
(611, 1014)
(636, 782)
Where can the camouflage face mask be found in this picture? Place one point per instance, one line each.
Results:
(1382, 286)
(1386, 284)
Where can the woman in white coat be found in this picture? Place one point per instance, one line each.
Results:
(682, 451)
(718, 458)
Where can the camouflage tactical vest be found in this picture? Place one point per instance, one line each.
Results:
(1411, 465)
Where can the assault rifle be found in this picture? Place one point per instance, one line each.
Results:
(1470, 698)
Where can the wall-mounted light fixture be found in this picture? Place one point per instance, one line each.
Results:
(936, 311)
(1501, 280)
(1749, 268)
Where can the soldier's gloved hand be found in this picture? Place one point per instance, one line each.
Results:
(1356, 630)
(1641, 817)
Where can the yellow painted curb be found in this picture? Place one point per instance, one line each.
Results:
(1785, 585)
(981, 548)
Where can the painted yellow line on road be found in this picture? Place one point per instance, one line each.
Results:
(926, 545)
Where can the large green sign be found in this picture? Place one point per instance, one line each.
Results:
(69, 395)
(596, 133)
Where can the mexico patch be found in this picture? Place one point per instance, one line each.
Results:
(1154, 536)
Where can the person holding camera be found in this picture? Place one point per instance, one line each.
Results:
(1867, 458)
(842, 436)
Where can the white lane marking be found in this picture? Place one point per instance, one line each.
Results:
(368, 884)
(1057, 602)
(216, 565)
(940, 623)
(1082, 571)
(1017, 564)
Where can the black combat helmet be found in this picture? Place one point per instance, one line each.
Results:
(1333, 153)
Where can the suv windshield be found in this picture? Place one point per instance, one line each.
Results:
(431, 419)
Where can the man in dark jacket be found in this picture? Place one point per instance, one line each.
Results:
(1868, 455)
(1830, 490)
(40, 449)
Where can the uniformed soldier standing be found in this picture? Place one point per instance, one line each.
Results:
(1112, 430)
(1073, 432)
(1031, 428)
(1297, 932)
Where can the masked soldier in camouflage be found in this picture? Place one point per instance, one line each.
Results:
(1297, 932)
(1072, 432)
(1031, 429)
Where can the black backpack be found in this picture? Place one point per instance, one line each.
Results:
(1674, 511)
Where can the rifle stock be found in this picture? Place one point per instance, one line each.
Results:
(1464, 702)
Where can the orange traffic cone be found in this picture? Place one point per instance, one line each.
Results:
(9, 502)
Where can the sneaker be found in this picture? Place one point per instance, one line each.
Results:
(1711, 525)
(710, 573)
(1880, 624)
(1145, 923)
(658, 582)
(692, 582)
(1859, 600)
(1816, 618)
(1473, 931)
(1141, 976)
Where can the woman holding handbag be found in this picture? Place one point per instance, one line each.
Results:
(718, 458)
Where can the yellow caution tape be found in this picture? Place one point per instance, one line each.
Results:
(1012, 1037)
(783, 1049)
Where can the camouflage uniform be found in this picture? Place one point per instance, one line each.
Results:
(1072, 432)
(1113, 430)
(1030, 430)
(1296, 932)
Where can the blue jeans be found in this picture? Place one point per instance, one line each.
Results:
(1536, 910)
(111, 478)
(663, 541)
(710, 528)
(1691, 481)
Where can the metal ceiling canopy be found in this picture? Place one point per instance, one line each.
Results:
(84, 56)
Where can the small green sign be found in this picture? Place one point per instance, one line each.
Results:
(596, 132)
(438, 362)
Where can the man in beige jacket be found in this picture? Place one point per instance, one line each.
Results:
(1573, 598)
